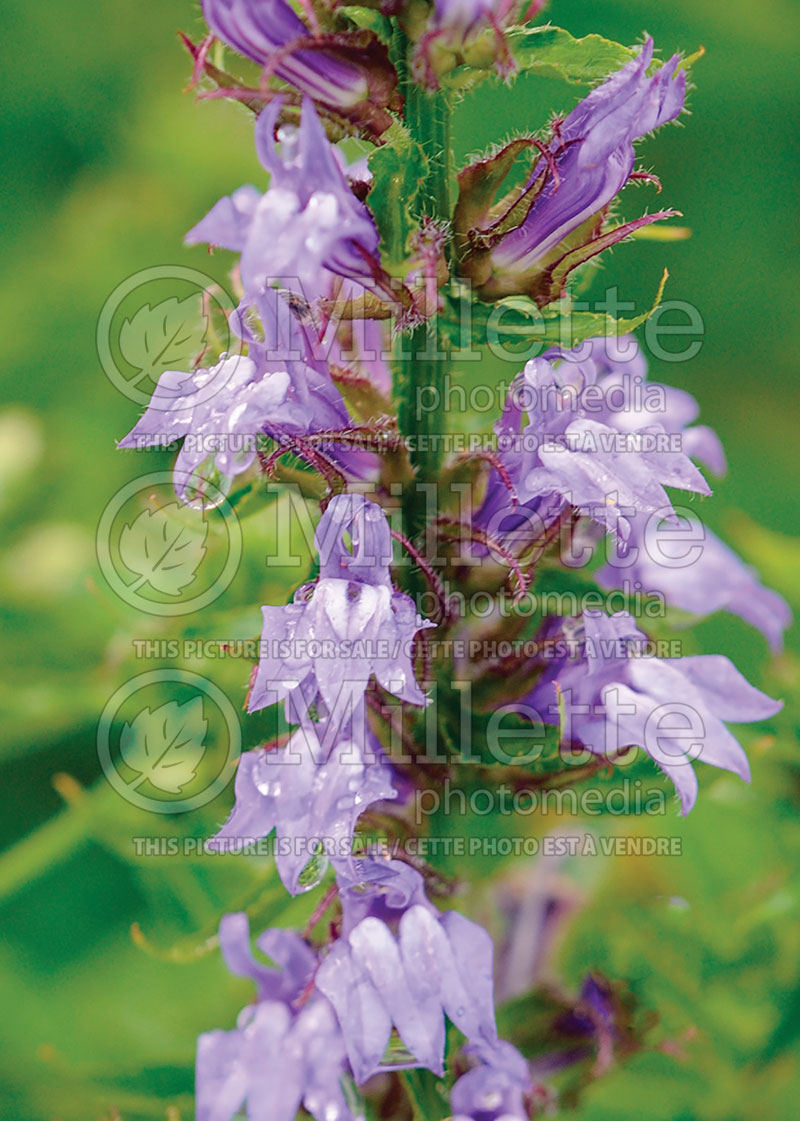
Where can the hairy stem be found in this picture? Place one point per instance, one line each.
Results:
(420, 363)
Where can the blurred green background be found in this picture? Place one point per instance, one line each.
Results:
(108, 162)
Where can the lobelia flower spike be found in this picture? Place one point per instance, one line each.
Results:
(399, 962)
(599, 438)
(349, 73)
(279, 389)
(323, 648)
(284, 1052)
(531, 241)
(700, 576)
(674, 709)
(306, 226)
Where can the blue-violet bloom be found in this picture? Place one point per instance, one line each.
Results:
(312, 794)
(323, 648)
(278, 390)
(613, 695)
(306, 226)
(407, 969)
(698, 574)
(598, 438)
(496, 1089)
(530, 242)
(336, 71)
(284, 1052)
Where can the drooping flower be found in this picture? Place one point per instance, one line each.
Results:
(279, 389)
(495, 1089)
(598, 438)
(283, 1053)
(407, 969)
(700, 576)
(312, 794)
(674, 709)
(306, 226)
(323, 648)
(343, 72)
(530, 241)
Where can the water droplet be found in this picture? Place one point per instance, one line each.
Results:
(313, 872)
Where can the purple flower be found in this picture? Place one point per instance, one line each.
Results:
(674, 709)
(307, 226)
(495, 1090)
(532, 241)
(278, 390)
(407, 970)
(701, 576)
(283, 1053)
(336, 71)
(598, 438)
(594, 1011)
(312, 795)
(378, 888)
(324, 647)
(595, 1026)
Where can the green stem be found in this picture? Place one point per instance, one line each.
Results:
(420, 364)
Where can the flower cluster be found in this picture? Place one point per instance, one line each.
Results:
(588, 453)
(400, 963)
(319, 654)
(284, 1052)
(279, 390)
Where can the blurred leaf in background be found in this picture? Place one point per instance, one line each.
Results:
(111, 164)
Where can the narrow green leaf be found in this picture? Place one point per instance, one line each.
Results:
(425, 1096)
(516, 325)
(554, 52)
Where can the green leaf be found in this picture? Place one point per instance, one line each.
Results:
(398, 171)
(424, 1090)
(370, 19)
(516, 325)
(550, 51)
(554, 52)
